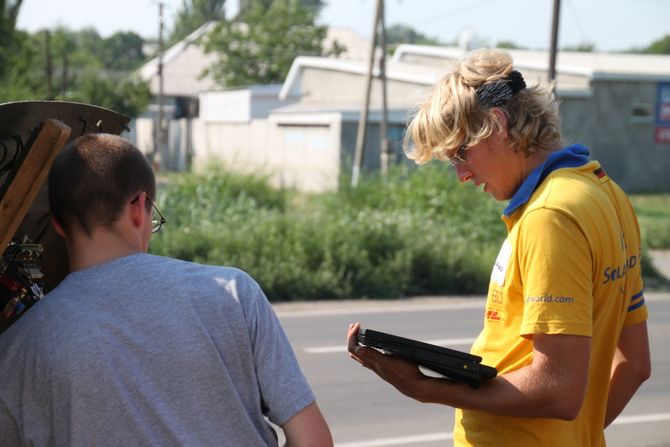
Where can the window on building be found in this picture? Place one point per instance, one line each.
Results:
(642, 112)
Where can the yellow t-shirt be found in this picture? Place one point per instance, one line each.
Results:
(570, 265)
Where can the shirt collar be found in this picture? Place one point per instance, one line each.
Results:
(570, 157)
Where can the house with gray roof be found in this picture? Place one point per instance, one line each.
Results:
(206, 122)
(302, 133)
(616, 104)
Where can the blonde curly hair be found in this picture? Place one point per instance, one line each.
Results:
(453, 116)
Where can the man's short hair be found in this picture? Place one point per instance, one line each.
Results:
(92, 179)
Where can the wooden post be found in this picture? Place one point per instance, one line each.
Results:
(384, 153)
(554, 39)
(363, 118)
(159, 150)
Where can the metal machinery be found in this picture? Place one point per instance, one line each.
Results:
(34, 258)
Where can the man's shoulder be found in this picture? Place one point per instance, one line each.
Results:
(570, 190)
(179, 266)
(178, 271)
(581, 196)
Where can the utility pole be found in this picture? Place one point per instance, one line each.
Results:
(160, 147)
(384, 153)
(363, 118)
(554, 39)
(49, 66)
(64, 75)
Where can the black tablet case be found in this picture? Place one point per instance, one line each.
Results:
(455, 365)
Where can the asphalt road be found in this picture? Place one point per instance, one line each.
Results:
(364, 411)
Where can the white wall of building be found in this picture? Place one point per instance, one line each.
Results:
(229, 106)
(292, 152)
(241, 105)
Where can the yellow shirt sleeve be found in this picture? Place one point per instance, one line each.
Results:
(556, 266)
(637, 308)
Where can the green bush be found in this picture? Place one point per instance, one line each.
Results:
(653, 213)
(417, 232)
(201, 200)
(408, 234)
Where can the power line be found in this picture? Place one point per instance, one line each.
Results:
(578, 23)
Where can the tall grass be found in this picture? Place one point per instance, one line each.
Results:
(653, 212)
(416, 232)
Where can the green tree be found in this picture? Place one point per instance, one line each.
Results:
(9, 11)
(193, 14)
(246, 5)
(659, 46)
(25, 76)
(129, 95)
(509, 45)
(398, 34)
(89, 41)
(582, 47)
(123, 51)
(262, 49)
(75, 66)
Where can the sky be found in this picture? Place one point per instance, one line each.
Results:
(612, 25)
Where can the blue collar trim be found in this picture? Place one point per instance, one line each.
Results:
(570, 157)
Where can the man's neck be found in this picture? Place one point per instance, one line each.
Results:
(534, 160)
(101, 247)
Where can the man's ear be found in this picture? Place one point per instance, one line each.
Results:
(58, 227)
(501, 121)
(137, 211)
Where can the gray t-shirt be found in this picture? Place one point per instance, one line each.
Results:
(146, 350)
